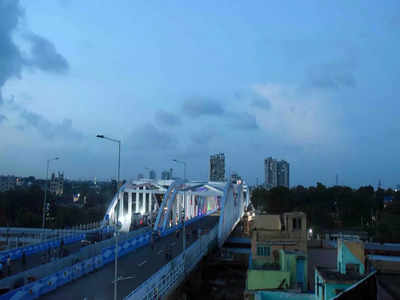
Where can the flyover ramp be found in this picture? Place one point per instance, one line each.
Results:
(136, 266)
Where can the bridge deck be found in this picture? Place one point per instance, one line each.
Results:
(140, 264)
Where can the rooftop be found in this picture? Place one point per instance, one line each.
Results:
(332, 275)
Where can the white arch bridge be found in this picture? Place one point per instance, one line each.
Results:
(166, 203)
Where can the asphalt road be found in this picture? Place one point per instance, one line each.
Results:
(136, 266)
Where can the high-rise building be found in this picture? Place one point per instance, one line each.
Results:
(283, 173)
(276, 173)
(271, 175)
(152, 174)
(217, 167)
(166, 174)
(140, 176)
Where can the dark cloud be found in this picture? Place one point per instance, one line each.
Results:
(262, 103)
(45, 56)
(11, 61)
(150, 138)
(254, 99)
(48, 129)
(242, 121)
(332, 76)
(197, 107)
(204, 136)
(43, 53)
(167, 118)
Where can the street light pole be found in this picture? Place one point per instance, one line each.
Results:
(45, 190)
(100, 136)
(117, 229)
(116, 265)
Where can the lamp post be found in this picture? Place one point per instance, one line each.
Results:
(45, 190)
(116, 234)
(100, 136)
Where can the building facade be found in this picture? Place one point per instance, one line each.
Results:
(217, 167)
(283, 173)
(276, 173)
(57, 184)
(271, 175)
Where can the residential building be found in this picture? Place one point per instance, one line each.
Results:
(274, 232)
(7, 183)
(350, 270)
(283, 173)
(276, 173)
(217, 167)
(57, 184)
(278, 257)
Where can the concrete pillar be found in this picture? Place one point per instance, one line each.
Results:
(146, 203)
(137, 209)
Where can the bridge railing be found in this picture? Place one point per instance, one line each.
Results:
(68, 268)
(169, 276)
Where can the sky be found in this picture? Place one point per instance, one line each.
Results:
(315, 83)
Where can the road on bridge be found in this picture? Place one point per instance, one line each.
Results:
(136, 266)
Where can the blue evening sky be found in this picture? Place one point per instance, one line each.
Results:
(313, 82)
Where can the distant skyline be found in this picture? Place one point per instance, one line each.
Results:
(314, 83)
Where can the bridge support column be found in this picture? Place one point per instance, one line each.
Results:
(129, 208)
(137, 208)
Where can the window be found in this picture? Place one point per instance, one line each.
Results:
(263, 251)
(296, 224)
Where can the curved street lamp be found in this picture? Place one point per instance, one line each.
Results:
(100, 136)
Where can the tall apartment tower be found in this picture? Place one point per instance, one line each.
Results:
(271, 174)
(283, 173)
(217, 167)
